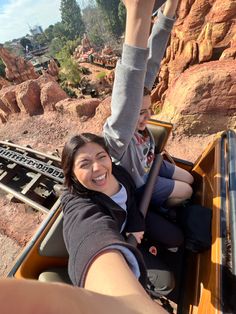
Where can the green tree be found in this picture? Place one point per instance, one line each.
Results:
(26, 42)
(72, 19)
(95, 26)
(49, 33)
(110, 8)
(59, 31)
(56, 45)
(122, 14)
(2, 69)
(40, 40)
(69, 70)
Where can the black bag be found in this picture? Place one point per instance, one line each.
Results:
(195, 221)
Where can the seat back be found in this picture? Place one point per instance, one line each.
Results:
(53, 244)
(160, 132)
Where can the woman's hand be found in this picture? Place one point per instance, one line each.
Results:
(138, 235)
(138, 21)
(170, 8)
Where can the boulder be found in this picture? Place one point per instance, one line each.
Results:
(8, 97)
(78, 107)
(53, 68)
(4, 82)
(222, 11)
(4, 108)
(28, 97)
(44, 79)
(3, 116)
(51, 93)
(202, 97)
(103, 111)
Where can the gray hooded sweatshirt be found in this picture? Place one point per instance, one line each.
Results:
(137, 68)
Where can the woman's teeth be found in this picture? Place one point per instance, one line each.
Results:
(100, 178)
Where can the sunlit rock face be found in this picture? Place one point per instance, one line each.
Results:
(17, 69)
(82, 108)
(32, 97)
(202, 99)
(198, 71)
(3, 82)
(50, 94)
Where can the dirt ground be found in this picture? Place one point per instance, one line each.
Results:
(47, 133)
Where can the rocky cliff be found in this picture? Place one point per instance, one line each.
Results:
(198, 74)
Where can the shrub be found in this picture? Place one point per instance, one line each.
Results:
(101, 75)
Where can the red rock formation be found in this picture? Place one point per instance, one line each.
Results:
(4, 108)
(53, 68)
(32, 96)
(103, 111)
(203, 98)
(4, 112)
(17, 69)
(51, 93)
(3, 116)
(3, 82)
(83, 108)
(44, 79)
(28, 97)
(204, 31)
(8, 97)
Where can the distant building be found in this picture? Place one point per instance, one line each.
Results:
(36, 30)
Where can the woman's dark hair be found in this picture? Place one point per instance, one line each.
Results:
(69, 151)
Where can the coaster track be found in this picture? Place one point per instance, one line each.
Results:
(30, 176)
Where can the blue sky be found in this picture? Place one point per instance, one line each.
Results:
(16, 15)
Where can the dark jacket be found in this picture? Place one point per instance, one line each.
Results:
(92, 221)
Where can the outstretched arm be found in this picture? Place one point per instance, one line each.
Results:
(28, 296)
(129, 79)
(158, 40)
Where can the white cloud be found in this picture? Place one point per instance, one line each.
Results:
(17, 14)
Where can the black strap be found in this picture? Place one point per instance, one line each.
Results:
(147, 194)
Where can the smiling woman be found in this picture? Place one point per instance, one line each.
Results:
(93, 169)
(87, 164)
(88, 167)
(99, 212)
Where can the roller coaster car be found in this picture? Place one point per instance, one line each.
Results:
(99, 61)
(205, 280)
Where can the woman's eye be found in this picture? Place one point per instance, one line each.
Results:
(84, 165)
(143, 112)
(102, 156)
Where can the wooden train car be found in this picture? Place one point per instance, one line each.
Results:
(204, 279)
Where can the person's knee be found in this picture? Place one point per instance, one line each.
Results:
(181, 191)
(188, 178)
(187, 192)
(168, 285)
(162, 281)
(182, 175)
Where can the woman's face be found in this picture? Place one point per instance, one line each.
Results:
(145, 114)
(93, 167)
